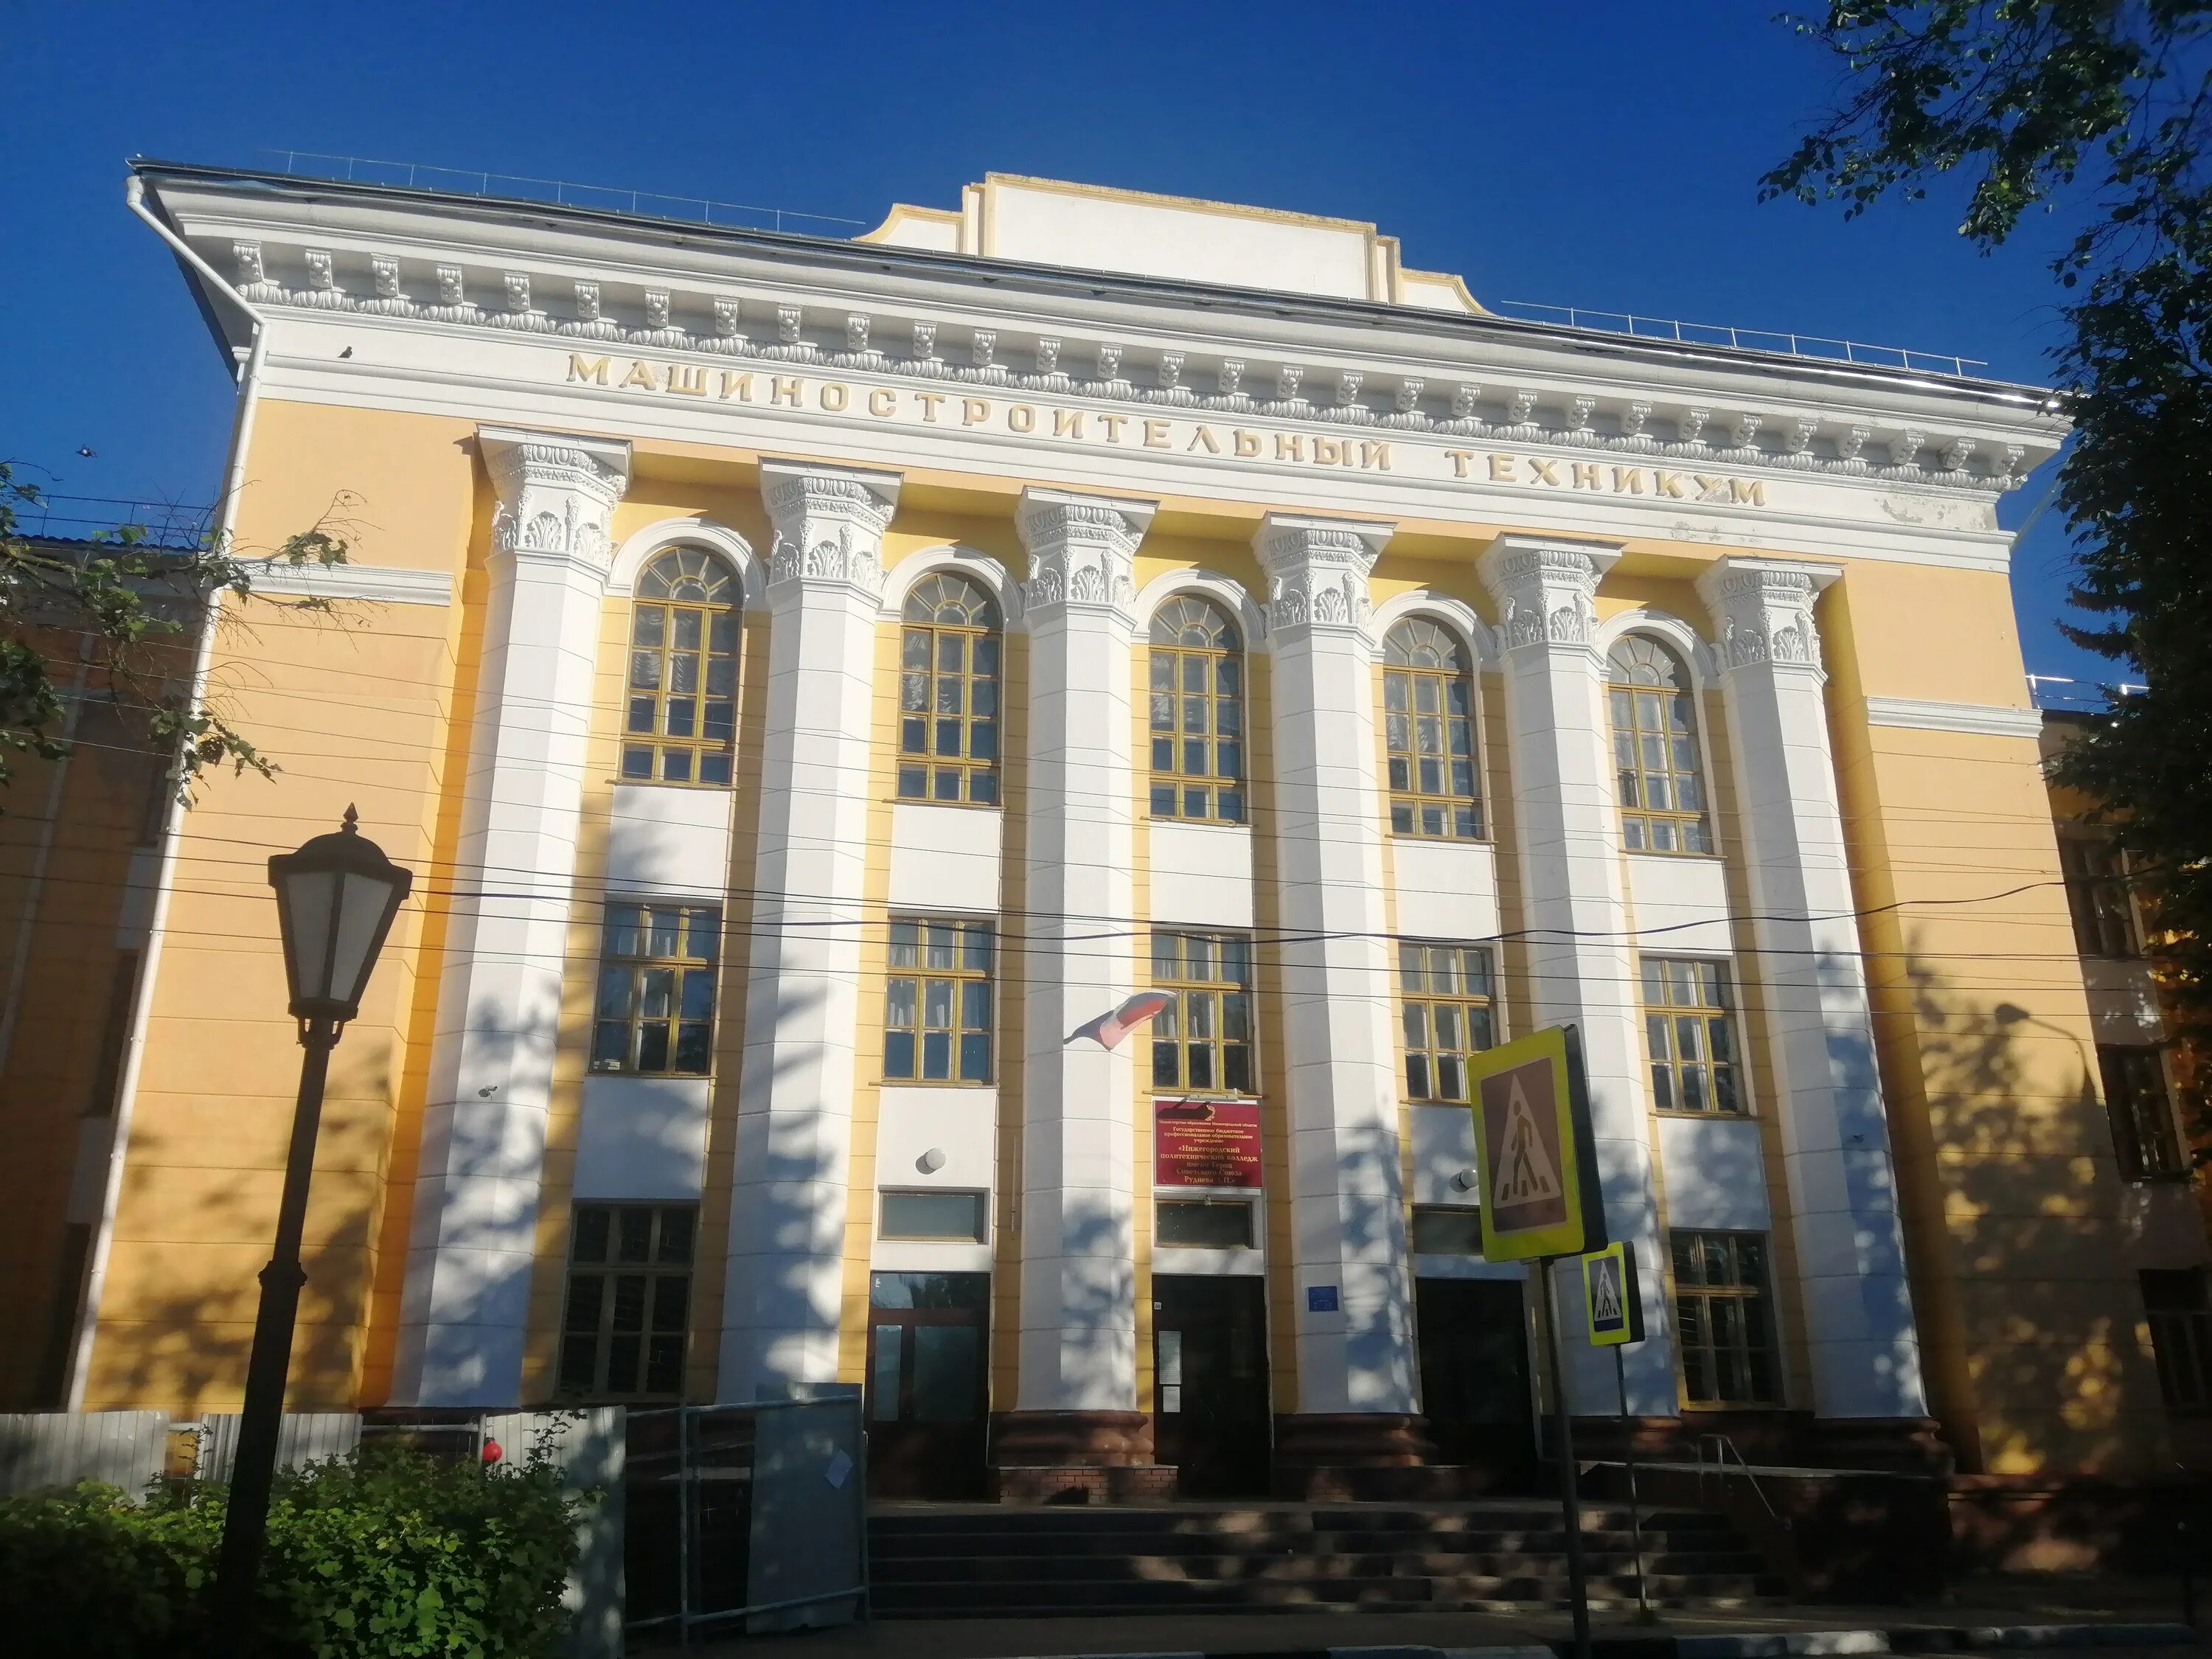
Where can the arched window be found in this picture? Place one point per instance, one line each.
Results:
(949, 693)
(682, 725)
(1655, 750)
(1198, 713)
(1428, 720)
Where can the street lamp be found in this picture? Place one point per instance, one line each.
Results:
(336, 899)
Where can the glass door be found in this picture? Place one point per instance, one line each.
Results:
(928, 1389)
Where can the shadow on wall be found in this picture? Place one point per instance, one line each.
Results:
(176, 1326)
(2029, 1197)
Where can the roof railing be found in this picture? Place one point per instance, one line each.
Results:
(1821, 347)
(92, 518)
(695, 210)
(2058, 692)
(562, 193)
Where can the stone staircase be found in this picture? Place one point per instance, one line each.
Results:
(940, 1561)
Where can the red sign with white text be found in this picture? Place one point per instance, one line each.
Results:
(1205, 1143)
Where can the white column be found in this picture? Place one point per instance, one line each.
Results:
(1079, 1310)
(1835, 1136)
(787, 1205)
(1346, 1186)
(1580, 966)
(472, 1242)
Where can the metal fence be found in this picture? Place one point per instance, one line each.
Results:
(564, 192)
(1784, 342)
(42, 1449)
(750, 1516)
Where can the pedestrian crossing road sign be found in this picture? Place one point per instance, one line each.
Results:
(1533, 1149)
(1614, 1301)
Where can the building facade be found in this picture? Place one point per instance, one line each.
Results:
(816, 682)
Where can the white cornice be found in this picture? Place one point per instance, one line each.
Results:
(384, 583)
(452, 266)
(1978, 719)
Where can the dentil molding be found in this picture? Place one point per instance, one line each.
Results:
(715, 324)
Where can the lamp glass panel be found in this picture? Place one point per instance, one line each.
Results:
(360, 911)
(310, 897)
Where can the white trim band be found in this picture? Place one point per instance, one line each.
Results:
(1979, 719)
(385, 584)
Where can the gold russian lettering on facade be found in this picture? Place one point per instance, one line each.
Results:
(1164, 432)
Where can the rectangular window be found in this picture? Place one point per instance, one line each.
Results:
(2097, 896)
(655, 1013)
(1447, 1230)
(2179, 1303)
(1723, 1320)
(1204, 1225)
(1202, 1043)
(1444, 1015)
(937, 1003)
(629, 1295)
(957, 1216)
(1688, 1019)
(2141, 1112)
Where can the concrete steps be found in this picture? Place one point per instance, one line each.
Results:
(955, 1562)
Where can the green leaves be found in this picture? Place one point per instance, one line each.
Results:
(383, 1555)
(137, 607)
(2106, 110)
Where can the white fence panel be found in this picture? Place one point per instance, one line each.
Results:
(305, 1437)
(590, 1446)
(59, 1449)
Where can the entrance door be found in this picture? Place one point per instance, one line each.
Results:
(1475, 1375)
(1210, 1384)
(928, 1350)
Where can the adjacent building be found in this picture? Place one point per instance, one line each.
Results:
(816, 682)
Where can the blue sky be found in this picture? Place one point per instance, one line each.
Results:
(1604, 154)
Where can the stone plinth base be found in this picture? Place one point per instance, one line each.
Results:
(1353, 1456)
(1086, 1483)
(1034, 1440)
(1423, 1483)
(1900, 1445)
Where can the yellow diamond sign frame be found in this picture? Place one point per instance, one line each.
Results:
(1534, 1152)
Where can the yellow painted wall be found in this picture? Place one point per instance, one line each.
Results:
(2031, 1326)
(2033, 1335)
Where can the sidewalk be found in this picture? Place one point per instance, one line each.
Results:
(2136, 1617)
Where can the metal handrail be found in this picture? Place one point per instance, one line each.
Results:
(2044, 692)
(1787, 342)
(564, 192)
(172, 525)
(1724, 1449)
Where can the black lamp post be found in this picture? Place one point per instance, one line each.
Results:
(336, 898)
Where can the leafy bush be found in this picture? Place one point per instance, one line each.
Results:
(385, 1554)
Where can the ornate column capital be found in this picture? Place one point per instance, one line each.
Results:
(1546, 590)
(1762, 609)
(556, 494)
(1081, 552)
(1317, 569)
(830, 523)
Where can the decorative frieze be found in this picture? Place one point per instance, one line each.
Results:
(1763, 612)
(1520, 414)
(556, 496)
(1082, 551)
(830, 523)
(1317, 570)
(1545, 592)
